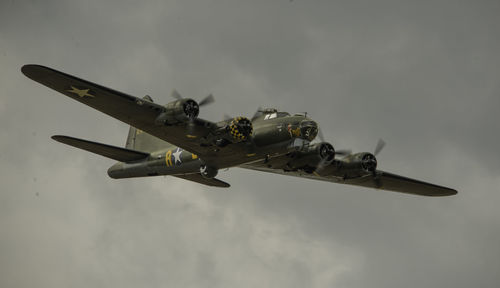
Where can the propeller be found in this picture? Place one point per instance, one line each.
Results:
(205, 101)
(345, 152)
(250, 144)
(327, 154)
(176, 95)
(380, 145)
(341, 152)
(320, 135)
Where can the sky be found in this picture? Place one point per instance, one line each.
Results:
(422, 75)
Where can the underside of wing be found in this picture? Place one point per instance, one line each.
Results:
(202, 180)
(137, 112)
(384, 181)
(393, 182)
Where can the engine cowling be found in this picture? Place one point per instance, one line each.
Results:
(240, 129)
(208, 172)
(179, 111)
(369, 162)
(309, 159)
(360, 161)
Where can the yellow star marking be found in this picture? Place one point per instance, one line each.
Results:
(81, 92)
(251, 154)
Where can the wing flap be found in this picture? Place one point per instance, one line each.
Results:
(113, 152)
(200, 179)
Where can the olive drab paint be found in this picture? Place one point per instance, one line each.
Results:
(172, 140)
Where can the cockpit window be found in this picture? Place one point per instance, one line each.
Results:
(270, 116)
(283, 114)
(275, 114)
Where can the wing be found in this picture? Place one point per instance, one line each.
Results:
(397, 183)
(200, 179)
(137, 112)
(384, 181)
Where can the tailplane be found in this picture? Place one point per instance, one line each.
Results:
(116, 153)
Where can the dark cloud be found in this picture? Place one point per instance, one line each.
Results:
(422, 75)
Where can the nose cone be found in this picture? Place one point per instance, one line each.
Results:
(308, 129)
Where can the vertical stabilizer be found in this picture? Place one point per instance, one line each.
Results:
(131, 138)
(142, 141)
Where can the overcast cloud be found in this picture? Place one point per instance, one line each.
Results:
(422, 75)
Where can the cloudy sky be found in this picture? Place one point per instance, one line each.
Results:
(422, 75)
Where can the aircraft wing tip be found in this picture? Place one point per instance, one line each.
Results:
(32, 70)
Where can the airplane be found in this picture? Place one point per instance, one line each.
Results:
(172, 140)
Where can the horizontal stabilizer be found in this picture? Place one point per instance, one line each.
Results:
(202, 180)
(116, 153)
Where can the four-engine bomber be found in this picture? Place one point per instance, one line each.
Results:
(173, 140)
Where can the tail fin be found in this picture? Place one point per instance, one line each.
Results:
(142, 141)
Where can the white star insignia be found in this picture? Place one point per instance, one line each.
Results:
(177, 156)
(81, 92)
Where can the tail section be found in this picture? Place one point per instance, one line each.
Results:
(142, 141)
(131, 138)
(116, 153)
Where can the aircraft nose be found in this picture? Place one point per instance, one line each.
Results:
(308, 129)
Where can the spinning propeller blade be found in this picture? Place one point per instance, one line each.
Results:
(257, 113)
(176, 95)
(207, 100)
(320, 135)
(380, 145)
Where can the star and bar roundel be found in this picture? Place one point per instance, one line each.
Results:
(173, 157)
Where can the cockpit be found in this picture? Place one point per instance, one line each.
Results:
(272, 126)
(270, 113)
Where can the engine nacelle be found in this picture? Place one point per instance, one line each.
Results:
(240, 129)
(179, 111)
(312, 156)
(360, 161)
(208, 172)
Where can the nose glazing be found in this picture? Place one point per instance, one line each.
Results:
(308, 129)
